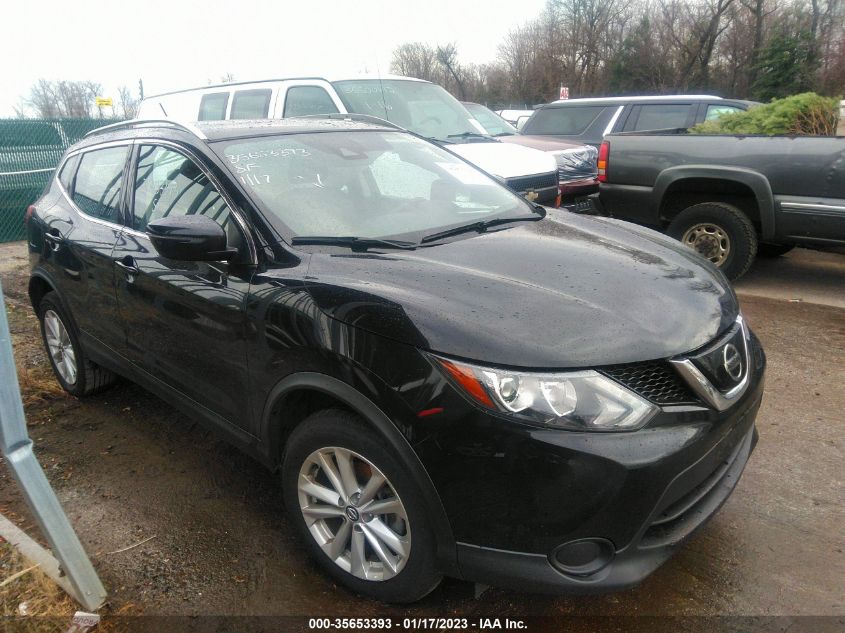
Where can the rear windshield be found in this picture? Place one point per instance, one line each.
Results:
(568, 120)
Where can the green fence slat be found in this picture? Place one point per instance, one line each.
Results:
(30, 150)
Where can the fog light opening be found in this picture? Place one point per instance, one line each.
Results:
(583, 557)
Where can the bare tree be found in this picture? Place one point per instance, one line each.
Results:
(415, 59)
(127, 103)
(63, 99)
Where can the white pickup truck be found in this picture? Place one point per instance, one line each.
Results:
(416, 105)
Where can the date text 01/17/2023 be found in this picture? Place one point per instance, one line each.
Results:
(417, 624)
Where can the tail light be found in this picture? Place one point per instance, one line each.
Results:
(29, 211)
(604, 155)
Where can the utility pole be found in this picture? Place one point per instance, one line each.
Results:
(141, 88)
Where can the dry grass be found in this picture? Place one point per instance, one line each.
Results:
(48, 608)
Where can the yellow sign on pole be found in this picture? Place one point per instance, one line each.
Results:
(104, 101)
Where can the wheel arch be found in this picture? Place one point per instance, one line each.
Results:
(311, 391)
(705, 183)
(39, 285)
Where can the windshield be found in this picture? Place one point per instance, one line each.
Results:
(490, 121)
(369, 184)
(421, 107)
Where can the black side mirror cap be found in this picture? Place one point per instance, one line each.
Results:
(192, 238)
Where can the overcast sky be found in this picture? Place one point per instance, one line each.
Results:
(182, 43)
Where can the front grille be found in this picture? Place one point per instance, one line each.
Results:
(538, 181)
(656, 381)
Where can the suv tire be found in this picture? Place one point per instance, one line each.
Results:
(76, 374)
(719, 232)
(334, 436)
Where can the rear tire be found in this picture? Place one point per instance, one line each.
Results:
(362, 550)
(773, 250)
(719, 232)
(76, 374)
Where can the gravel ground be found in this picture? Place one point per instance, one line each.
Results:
(127, 467)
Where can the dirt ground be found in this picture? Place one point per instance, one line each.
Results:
(127, 467)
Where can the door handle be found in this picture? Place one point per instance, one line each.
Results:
(129, 266)
(55, 240)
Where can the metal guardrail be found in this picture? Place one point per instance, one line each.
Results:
(17, 449)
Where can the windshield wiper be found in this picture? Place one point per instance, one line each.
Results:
(479, 227)
(355, 243)
(505, 134)
(473, 135)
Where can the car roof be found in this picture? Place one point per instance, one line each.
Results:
(638, 99)
(327, 78)
(211, 131)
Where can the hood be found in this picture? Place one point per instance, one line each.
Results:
(542, 143)
(565, 292)
(506, 160)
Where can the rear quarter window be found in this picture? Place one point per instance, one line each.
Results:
(564, 121)
(68, 171)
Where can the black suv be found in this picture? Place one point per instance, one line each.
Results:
(590, 119)
(447, 380)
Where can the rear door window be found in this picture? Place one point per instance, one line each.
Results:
(97, 187)
(306, 100)
(566, 121)
(213, 106)
(661, 116)
(715, 111)
(251, 104)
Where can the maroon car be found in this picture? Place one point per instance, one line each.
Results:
(577, 167)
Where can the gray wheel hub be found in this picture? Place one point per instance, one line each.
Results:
(354, 514)
(60, 347)
(708, 240)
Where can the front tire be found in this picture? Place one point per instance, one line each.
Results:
(357, 509)
(719, 232)
(76, 374)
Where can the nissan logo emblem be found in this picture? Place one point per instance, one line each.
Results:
(732, 361)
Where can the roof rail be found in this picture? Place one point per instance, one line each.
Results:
(351, 116)
(132, 123)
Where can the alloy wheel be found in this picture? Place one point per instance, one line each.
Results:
(354, 514)
(60, 347)
(708, 240)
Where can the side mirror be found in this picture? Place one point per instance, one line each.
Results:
(192, 238)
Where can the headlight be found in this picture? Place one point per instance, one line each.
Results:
(581, 400)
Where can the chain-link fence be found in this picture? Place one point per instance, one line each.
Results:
(30, 150)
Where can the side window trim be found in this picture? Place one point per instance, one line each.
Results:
(124, 178)
(234, 210)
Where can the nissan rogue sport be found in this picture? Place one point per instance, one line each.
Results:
(447, 380)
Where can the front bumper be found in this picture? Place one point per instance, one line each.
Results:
(517, 496)
(657, 540)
